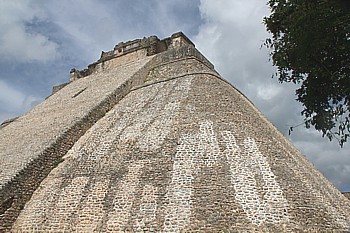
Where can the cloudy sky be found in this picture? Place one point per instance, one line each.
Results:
(41, 40)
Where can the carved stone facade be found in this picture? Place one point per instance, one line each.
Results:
(154, 140)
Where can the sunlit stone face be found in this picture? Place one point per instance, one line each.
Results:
(181, 151)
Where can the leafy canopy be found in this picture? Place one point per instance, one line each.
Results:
(310, 45)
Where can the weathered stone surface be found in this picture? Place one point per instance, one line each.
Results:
(347, 194)
(181, 150)
(34, 143)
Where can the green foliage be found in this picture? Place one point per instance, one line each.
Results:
(310, 45)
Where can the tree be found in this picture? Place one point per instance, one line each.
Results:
(310, 45)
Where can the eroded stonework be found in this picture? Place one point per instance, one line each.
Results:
(172, 147)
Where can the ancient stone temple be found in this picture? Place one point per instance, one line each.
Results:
(150, 138)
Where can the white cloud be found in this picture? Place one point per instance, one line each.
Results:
(17, 42)
(268, 92)
(238, 34)
(87, 23)
(13, 102)
(96, 26)
(235, 12)
(30, 102)
(10, 98)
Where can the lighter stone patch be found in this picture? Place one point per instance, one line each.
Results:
(155, 135)
(67, 205)
(180, 189)
(208, 145)
(92, 213)
(244, 166)
(159, 129)
(202, 149)
(124, 198)
(274, 201)
(147, 212)
(194, 151)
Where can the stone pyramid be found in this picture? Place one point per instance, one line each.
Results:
(150, 138)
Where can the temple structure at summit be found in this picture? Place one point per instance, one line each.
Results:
(150, 138)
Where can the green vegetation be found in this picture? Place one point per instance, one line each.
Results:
(310, 46)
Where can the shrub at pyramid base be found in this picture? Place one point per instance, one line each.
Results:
(151, 138)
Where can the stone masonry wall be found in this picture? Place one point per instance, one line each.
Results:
(184, 152)
(40, 138)
(97, 150)
(158, 144)
(46, 133)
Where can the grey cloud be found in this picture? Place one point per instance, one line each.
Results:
(17, 42)
(13, 101)
(10, 98)
(331, 160)
(93, 26)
